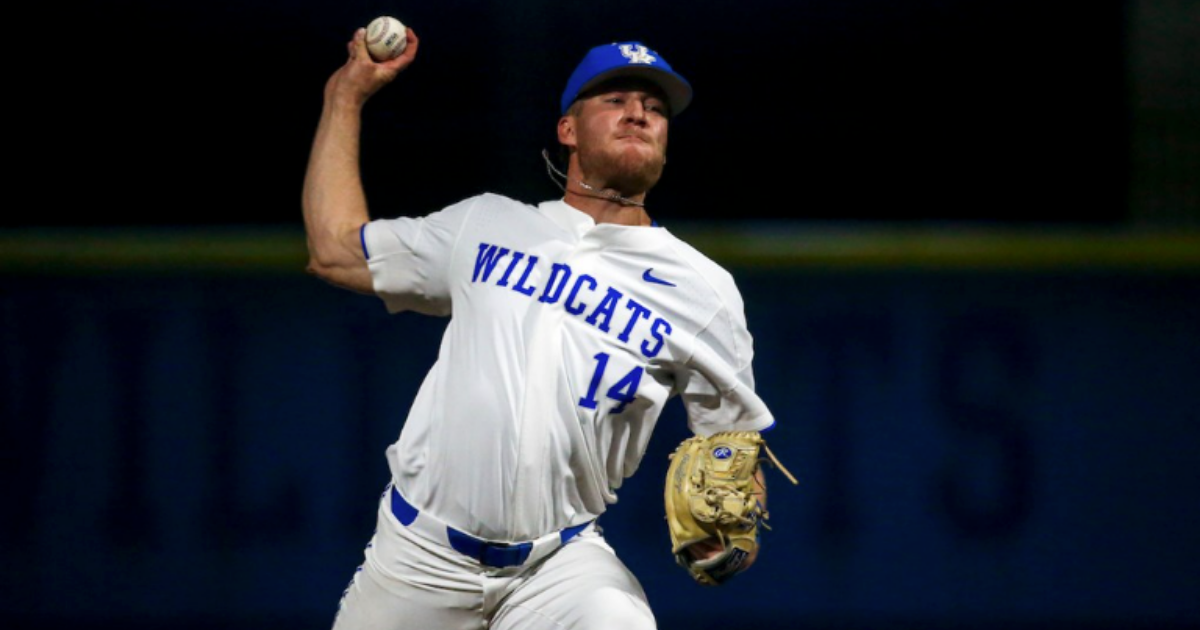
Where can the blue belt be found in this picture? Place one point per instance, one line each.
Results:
(493, 554)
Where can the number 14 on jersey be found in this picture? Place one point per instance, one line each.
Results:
(624, 391)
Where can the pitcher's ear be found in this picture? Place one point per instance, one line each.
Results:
(566, 130)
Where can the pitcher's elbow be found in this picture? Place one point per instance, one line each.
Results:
(311, 268)
(319, 268)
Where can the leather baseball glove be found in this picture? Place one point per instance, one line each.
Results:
(712, 495)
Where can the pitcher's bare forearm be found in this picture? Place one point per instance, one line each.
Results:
(335, 206)
(333, 200)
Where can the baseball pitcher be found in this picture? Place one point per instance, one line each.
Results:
(571, 324)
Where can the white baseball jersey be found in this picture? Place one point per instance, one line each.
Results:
(566, 338)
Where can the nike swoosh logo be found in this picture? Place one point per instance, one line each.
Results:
(649, 278)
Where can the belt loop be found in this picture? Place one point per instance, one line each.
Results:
(404, 512)
(570, 532)
(545, 545)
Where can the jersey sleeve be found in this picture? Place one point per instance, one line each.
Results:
(409, 258)
(717, 383)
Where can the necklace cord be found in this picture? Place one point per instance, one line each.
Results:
(552, 171)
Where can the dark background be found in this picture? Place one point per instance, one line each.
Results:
(168, 113)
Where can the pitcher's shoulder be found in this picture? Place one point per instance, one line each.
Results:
(700, 261)
(499, 201)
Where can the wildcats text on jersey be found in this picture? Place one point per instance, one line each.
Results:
(515, 273)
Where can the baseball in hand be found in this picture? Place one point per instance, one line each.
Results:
(386, 38)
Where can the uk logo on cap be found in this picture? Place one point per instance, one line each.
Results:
(637, 53)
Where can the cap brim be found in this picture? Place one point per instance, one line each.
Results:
(678, 91)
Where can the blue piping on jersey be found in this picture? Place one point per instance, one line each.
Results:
(362, 236)
(768, 427)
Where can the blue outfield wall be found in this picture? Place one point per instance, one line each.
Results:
(976, 447)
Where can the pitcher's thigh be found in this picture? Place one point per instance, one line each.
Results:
(584, 586)
(367, 605)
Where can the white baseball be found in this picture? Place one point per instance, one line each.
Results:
(386, 38)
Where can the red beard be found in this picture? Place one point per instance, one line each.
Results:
(627, 172)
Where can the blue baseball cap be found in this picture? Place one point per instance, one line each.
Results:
(627, 59)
